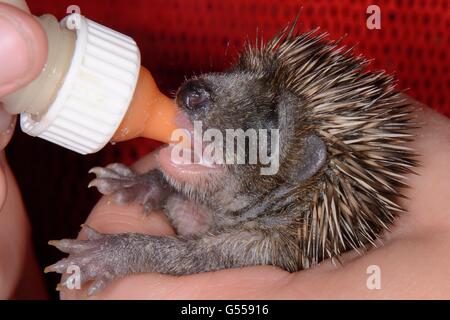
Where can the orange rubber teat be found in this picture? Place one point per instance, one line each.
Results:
(151, 114)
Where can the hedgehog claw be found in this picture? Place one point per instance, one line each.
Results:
(100, 259)
(147, 189)
(91, 233)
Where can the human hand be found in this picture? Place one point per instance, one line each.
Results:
(23, 53)
(414, 260)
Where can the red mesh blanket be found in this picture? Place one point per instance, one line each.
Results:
(178, 38)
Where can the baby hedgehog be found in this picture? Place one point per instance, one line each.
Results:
(343, 158)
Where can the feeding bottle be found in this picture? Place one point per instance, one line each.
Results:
(92, 90)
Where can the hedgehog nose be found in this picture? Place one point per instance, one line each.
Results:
(193, 96)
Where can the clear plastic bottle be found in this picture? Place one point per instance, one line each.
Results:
(92, 90)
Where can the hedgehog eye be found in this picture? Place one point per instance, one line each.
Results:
(193, 96)
(313, 157)
(197, 100)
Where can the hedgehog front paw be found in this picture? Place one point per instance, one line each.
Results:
(101, 259)
(148, 189)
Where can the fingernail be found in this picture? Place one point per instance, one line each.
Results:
(7, 122)
(14, 55)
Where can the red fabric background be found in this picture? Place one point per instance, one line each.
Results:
(178, 38)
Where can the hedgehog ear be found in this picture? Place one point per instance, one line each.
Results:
(312, 158)
(314, 151)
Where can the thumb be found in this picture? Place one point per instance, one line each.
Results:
(23, 48)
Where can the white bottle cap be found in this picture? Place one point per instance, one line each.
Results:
(96, 91)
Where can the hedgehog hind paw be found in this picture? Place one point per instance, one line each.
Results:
(97, 261)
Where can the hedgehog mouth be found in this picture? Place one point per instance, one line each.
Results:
(181, 160)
